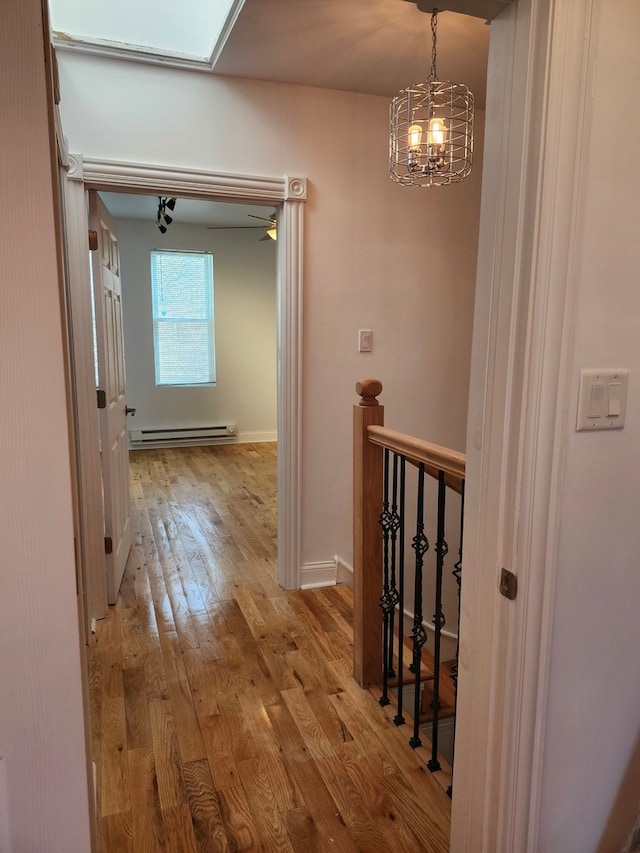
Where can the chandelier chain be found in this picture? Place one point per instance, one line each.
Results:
(434, 24)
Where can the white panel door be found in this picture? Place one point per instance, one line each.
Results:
(113, 417)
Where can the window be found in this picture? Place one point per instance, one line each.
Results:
(182, 305)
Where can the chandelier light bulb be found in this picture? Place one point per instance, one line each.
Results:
(436, 135)
(415, 136)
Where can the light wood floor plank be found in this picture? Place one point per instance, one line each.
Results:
(168, 764)
(323, 810)
(136, 708)
(238, 819)
(179, 831)
(188, 729)
(115, 833)
(204, 805)
(264, 804)
(146, 817)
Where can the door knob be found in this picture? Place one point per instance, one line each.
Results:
(129, 411)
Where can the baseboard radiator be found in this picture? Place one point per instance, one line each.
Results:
(182, 436)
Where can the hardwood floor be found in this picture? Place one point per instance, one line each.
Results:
(224, 714)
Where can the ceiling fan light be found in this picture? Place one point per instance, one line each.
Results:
(272, 233)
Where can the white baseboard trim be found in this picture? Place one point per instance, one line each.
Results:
(256, 437)
(315, 575)
(344, 572)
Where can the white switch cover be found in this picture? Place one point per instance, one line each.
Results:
(602, 399)
(365, 338)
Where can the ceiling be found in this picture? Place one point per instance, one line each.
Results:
(375, 47)
(188, 211)
(369, 46)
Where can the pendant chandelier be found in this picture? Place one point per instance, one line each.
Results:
(431, 130)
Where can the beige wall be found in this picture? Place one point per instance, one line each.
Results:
(378, 256)
(43, 785)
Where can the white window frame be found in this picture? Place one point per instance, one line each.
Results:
(208, 319)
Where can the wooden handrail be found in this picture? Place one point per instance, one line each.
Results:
(435, 457)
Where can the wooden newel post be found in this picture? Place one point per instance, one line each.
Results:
(367, 536)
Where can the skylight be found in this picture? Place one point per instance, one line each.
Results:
(190, 28)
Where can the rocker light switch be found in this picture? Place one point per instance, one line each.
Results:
(596, 402)
(602, 400)
(614, 399)
(365, 337)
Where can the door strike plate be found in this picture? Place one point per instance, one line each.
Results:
(508, 584)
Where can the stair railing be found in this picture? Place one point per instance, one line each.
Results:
(380, 556)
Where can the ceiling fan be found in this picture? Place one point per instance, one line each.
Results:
(271, 226)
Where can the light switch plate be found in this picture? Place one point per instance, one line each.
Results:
(602, 399)
(365, 340)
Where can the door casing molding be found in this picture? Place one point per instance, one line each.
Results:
(516, 435)
(289, 193)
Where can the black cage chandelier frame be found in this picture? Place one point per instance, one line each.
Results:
(431, 130)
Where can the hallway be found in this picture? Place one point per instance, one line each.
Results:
(224, 715)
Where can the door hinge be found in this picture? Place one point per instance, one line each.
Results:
(508, 584)
(102, 398)
(93, 240)
(108, 545)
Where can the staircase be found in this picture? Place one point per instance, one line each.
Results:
(408, 525)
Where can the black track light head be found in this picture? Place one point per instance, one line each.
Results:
(164, 202)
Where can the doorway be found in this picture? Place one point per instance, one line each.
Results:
(190, 379)
(289, 195)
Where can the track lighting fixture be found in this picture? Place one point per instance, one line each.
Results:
(163, 219)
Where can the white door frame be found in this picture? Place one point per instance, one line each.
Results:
(289, 193)
(81, 354)
(537, 97)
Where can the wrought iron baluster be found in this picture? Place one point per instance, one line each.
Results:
(438, 621)
(420, 545)
(385, 600)
(399, 718)
(394, 597)
(457, 573)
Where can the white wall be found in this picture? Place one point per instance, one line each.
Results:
(244, 269)
(395, 260)
(593, 721)
(42, 746)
